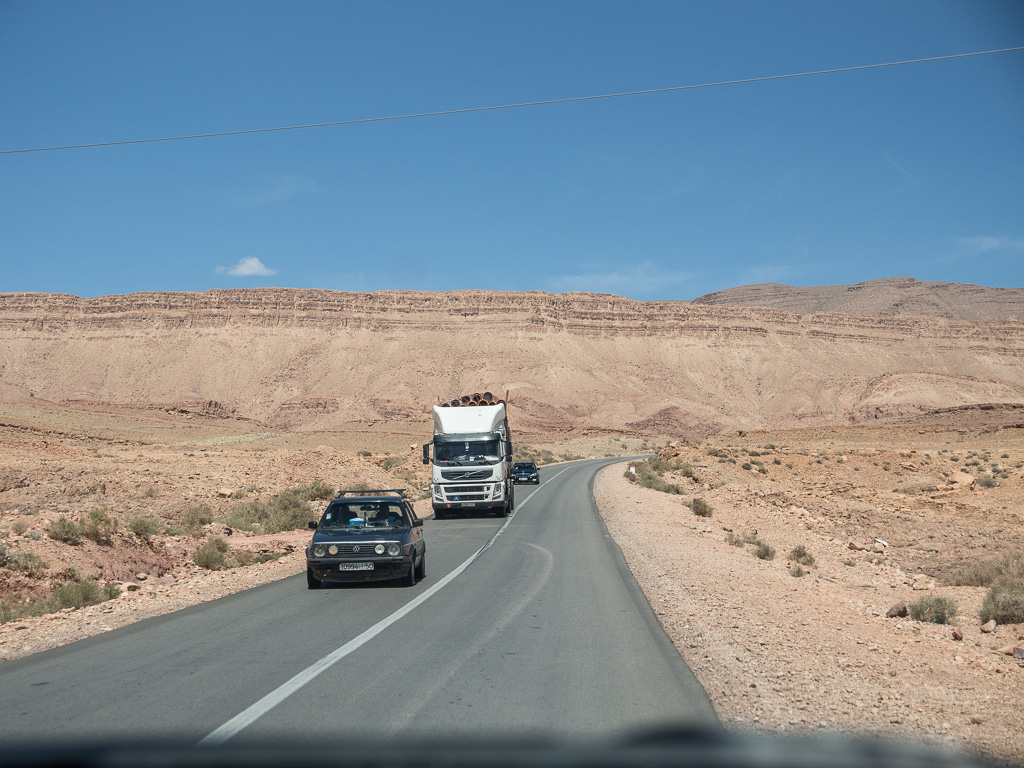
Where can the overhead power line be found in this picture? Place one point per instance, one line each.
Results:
(520, 105)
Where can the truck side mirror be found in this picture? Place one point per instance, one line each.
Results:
(508, 447)
(426, 453)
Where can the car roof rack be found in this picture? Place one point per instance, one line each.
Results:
(377, 492)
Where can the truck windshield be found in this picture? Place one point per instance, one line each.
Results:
(464, 452)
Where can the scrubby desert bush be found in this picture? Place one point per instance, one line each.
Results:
(99, 526)
(286, 511)
(144, 526)
(320, 491)
(64, 530)
(1004, 602)
(987, 481)
(938, 610)
(195, 517)
(985, 574)
(28, 563)
(799, 554)
(764, 551)
(796, 571)
(701, 508)
(19, 527)
(75, 594)
(648, 477)
(211, 554)
(391, 462)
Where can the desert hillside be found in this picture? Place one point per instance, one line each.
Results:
(314, 360)
(884, 298)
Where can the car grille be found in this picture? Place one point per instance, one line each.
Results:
(365, 547)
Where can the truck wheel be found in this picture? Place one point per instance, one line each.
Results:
(312, 582)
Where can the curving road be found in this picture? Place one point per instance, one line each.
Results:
(527, 626)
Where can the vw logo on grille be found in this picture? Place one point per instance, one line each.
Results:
(356, 549)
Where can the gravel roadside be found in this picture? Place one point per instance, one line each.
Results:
(815, 653)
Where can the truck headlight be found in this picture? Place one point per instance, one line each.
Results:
(319, 550)
(437, 492)
(496, 493)
(394, 549)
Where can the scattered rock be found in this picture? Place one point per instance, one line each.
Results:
(224, 493)
(898, 611)
(975, 720)
(958, 635)
(1018, 652)
(923, 584)
(855, 546)
(141, 576)
(877, 548)
(989, 627)
(961, 480)
(1006, 650)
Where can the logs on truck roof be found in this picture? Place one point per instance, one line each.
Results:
(475, 399)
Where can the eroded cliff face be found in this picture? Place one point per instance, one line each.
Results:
(309, 359)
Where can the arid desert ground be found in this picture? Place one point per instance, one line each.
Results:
(878, 456)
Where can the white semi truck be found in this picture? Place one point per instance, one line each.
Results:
(472, 458)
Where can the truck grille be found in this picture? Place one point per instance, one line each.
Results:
(466, 492)
(466, 474)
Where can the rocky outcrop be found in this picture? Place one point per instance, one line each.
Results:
(890, 297)
(316, 359)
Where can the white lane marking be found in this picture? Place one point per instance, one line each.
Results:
(256, 711)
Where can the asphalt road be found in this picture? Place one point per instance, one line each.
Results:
(543, 632)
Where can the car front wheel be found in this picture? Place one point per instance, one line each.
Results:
(421, 573)
(312, 582)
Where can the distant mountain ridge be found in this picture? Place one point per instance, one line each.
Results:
(889, 297)
(326, 360)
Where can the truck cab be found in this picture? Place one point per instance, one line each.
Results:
(472, 461)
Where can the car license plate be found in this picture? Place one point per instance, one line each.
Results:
(356, 566)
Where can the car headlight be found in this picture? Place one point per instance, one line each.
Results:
(333, 549)
(379, 549)
(394, 549)
(319, 550)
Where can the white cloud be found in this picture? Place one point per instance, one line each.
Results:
(250, 266)
(976, 246)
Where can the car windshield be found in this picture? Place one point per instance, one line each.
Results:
(524, 466)
(371, 514)
(464, 452)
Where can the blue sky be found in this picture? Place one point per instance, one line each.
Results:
(904, 171)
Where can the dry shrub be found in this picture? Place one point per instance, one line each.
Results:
(195, 517)
(799, 554)
(99, 526)
(64, 530)
(937, 610)
(985, 574)
(211, 554)
(144, 526)
(701, 508)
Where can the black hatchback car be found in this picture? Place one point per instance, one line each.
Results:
(525, 472)
(367, 536)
